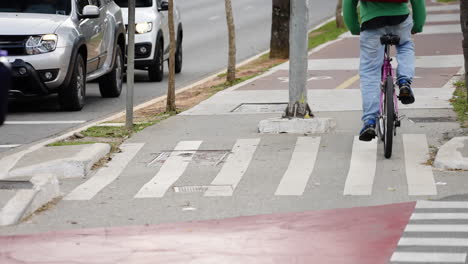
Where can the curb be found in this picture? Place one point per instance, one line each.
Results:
(25, 202)
(77, 166)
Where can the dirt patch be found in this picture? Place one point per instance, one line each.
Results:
(190, 98)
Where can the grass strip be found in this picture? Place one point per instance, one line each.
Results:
(460, 104)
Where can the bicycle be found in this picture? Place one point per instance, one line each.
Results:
(388, 118)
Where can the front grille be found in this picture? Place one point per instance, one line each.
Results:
(14, 45)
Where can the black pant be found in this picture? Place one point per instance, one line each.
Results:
(5, 84)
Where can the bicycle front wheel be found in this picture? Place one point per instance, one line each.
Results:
(389, 116)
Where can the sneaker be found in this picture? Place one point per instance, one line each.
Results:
(406, 94)
(368, 131)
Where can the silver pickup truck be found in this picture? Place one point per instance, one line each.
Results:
(56, 46)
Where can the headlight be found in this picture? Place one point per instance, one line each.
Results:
(41, 44)
(145, 27)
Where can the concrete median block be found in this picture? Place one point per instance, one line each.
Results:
(453, 155)
(77, 165)
(296, 125)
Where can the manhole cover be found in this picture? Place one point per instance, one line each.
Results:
(15, 185)
(261, 108)
(432, 119)
(201, 157)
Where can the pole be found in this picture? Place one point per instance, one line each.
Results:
(298, 63)
(130, 64)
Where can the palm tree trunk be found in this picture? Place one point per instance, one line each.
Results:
(339, 14)
(231, 72)
(279, 42)
(464, 26)
(170, 104)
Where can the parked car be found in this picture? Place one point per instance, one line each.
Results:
(152, 36)
(5, 83)
(56, 46)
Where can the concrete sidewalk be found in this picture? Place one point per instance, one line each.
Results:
(210, 163)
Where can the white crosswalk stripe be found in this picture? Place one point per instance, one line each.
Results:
(361, 173)
(428, 257)
(420, 177)
(436, 239)
(235, 167)
(171, 170)
(300, 168)
(105, 175)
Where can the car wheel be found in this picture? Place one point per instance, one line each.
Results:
(156, 70)
(72, 98)
(110, 85)
(179, 56)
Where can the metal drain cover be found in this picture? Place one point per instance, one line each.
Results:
(432, 119)
(191, 189)
(203, 188)
(15, 185)
(261, 108)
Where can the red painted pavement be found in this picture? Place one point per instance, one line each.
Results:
(358, 235)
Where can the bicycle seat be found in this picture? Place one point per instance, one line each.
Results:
(390, 39)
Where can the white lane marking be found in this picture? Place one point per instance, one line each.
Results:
(105, 175)
(441, 29)
(433, 241)
(441, 204)
(419, 176)
(441, 61)
(443, 18)
(361, 173)
(170, 171)
(10, 146)
(213, 18)
(43, 122)
(428, 257)
(442, 8)
(436, 228)
(439, 216)
(234, 168)
(300, 168)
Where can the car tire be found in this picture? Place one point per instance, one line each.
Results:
(179, 55)
(110, 85)
(72, 97)
(156, 70)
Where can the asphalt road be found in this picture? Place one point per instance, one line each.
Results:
(205, 51)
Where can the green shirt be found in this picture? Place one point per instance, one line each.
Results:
(370, 10)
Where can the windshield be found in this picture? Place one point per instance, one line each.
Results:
(139, 3)
(56, 7)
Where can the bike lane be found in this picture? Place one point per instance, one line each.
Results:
(367, 235)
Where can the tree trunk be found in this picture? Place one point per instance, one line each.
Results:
(231, 72)
(170, 105)
(339, 14)
(279, 42)
(464, 26)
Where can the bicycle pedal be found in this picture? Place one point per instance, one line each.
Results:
(398, 123)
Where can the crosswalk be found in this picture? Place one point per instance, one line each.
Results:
(432, 236)
(237, 162)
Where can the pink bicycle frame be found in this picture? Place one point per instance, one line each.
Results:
(387, 70)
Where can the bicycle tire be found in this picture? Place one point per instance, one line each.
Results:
(389, 116)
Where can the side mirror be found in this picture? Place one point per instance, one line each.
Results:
(164, 6)
(90, 11)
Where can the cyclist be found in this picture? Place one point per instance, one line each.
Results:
(379, 17)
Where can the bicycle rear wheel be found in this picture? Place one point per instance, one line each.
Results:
(389, 117)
